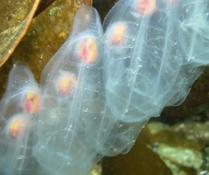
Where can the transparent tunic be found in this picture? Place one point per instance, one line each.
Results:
(100, 88)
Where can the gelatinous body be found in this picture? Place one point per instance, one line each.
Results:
(22, 93)
(156, 66)
(19, 104)
(150, 70)
(71, 84)
(98, 91)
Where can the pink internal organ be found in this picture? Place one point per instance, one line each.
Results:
(146, 7)
(88, 50)
(31, 102)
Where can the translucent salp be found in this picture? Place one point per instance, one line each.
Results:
(65, 134)
(22, 93)
(98, 91)
(19, 106)
(151, 69)
(147, 46)
(15, 146)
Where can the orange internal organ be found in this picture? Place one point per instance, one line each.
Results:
(88, 50)
(66, 83)
(118, 34)
(146, 7)
(31, 102)
(16, 127)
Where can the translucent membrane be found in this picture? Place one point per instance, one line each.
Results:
(155, 56)
(98, 91)
(154, 51)
(73, 99)
(19, 107)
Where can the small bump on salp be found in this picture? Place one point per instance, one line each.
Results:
(117, 34)
(88, 50)
(65, 84)
(16, 126)
(145, 7)
(31, 102)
